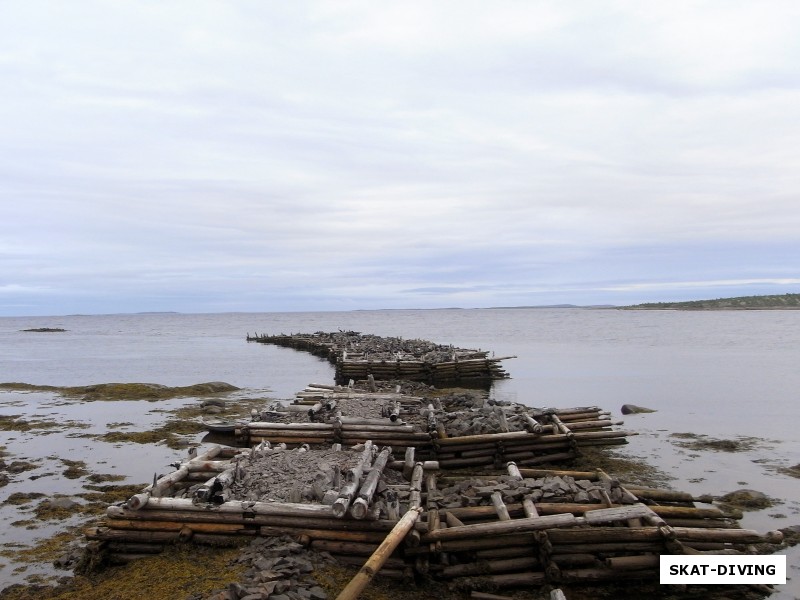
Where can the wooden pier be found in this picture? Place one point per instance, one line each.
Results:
(357, 356)
(376, 478)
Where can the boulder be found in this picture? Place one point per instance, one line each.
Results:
(751, 499)
(632, 409)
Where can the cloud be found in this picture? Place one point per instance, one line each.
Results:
(201, 156)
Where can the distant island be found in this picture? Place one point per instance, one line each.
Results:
(774, 302)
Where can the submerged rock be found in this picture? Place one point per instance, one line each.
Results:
(751, 499)
(632, 409)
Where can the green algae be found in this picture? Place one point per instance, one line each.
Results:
(179, 572)
(125, 391)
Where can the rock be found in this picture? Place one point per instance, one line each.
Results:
(632, 409)
(64, 503)
(751, 499)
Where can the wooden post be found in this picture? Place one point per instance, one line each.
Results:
(500, 507)
(379, 557)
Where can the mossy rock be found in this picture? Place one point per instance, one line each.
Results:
(748, 499)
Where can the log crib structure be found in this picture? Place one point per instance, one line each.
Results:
(357, 356)
(386, 480)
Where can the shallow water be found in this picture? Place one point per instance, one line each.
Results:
(727, 375)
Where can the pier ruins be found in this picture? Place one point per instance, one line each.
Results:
(413, 483)
(357, 356)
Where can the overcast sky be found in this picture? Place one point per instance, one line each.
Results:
(203, 156)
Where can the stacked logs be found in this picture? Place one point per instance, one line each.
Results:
(200, 502)
(410, 495)
(522, 434)
(501, 537)
(509, 528)
(322, 407)
(358, 356)
(546, 436)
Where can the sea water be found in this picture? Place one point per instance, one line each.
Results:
(729, 375)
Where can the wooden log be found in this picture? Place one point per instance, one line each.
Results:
(532, 425)
(392, 563)
(268, 426)
(396, 428)
(491, 566)
(466, 440)
(513, 470)
(156, 489)
(501, 580)
(547, 458)
(108, 534)
(245, 518)
(644, 561)
(738, 536)
(408, 465)
(504, 552)
(374, 537)
(600, 548)
(605, 574)
(215, 486)
(209, 466)
(346, 548)
(452, 520)
(185, 505)
(322, 386)
(178, 526)
(500, 528)
(353, 479)
(415, 498)
(474, 544)
(500, 507)
(377, 560)
(355, 421)
(361, 506)
(540, 473)
(475, 595)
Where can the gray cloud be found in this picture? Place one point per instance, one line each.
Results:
(205, 156)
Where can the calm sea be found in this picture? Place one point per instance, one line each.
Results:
(726, 375)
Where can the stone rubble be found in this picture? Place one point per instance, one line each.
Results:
(278, 568)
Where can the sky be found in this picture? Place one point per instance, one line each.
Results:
(199, 156)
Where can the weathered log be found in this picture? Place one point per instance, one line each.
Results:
(325, 534)
(361, 506)
(538, 473)
(513, 470)
(353, 479)
(380, 556)
(475, 595)
(178, 526)
(500, 528)
(408, 465)
(415, 498)
(644, 561)
(484, 567)
(500, 507)
(181, 505)
(346, 548)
